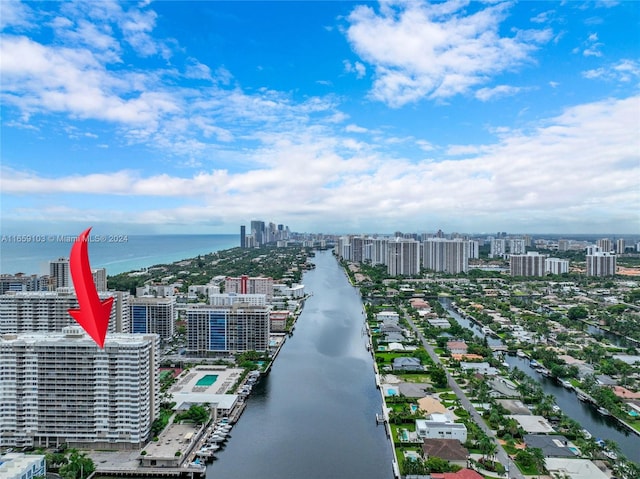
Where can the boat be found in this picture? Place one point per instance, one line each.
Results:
(582, 397)
(533, 363)
(520, 353)
(603, 411)
(610, 454)
(587, 435)
(566, 384)
(555, 408)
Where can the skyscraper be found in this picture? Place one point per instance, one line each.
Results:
(449, 256)
(153, 315)
(601, 264)
(403, 257)
(258, 232)
(530, 264)
(22, 312)
(227, 329)
(243, 236)
(59, 273)
(76, 393)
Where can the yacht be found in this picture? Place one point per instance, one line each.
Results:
(603, 411)
(587, 435)
(582, 397)
(520, 353)
(567, 384)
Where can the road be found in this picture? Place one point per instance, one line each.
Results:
(501, 455)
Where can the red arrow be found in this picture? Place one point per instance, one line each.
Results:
(93, 315)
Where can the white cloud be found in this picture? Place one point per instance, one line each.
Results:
(435, 51)
(356, 67)
(624, 71)
(592, 46)
(568, 169)
(14, 13)
(355, 129)
(486, 94)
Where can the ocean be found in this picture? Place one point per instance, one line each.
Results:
(117, 254)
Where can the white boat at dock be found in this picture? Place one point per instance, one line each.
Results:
(566, 384)
(603, 411)
(587, 435)
(582, 397)
(520, 353)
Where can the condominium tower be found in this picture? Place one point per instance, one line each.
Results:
(61, 388)
(49, 311)
(227, 329)
(448, 256)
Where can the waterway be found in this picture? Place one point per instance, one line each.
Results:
(599, 426)
(314, 415)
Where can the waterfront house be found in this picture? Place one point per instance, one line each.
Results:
(551, 445)
(457, 347)
(624, 393)
(440, 426)
(461, 474)
(448, 449)
(533, 424)
(483, 368)
(407, 364)
(573, 468)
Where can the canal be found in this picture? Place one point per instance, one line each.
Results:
(314, 415)
(599, 426)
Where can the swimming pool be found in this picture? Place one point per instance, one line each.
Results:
(413, 407)
(207, 380)
(392, 392)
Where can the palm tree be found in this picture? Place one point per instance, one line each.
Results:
(538, 459)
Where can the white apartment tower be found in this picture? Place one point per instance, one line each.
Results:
(49, 311)
(517, 246)
(448, 256)
(379, 251)
(530, 264)
(556, 266)
(498, 248)
(601, 264)
(620, 246)
(61, 388)
(234, 328)
(403, 257)
(605, 244)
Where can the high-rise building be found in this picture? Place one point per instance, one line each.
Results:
(530, 264)
(556, 266)
(498, 248)
(60, 273)
(61, 388)
(517, 246)
(357, 249)
(153, 315)
(448, 256)
(605, 244)
(563, 245)
(379, 251)
(23, 282)
(100, 278)
(258, 232)
(49, 311)
(248, 285)
(243, 236)
(620, 246)
(403, 257)
(601, 264)
(227, 329)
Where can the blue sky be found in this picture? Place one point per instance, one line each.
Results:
(196, 117)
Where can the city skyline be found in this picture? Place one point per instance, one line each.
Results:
(330, 116)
